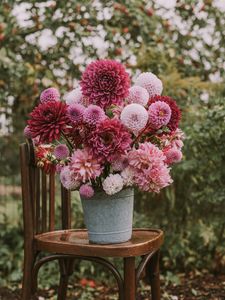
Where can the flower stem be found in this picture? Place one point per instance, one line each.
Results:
(140, 134)
(67, 141)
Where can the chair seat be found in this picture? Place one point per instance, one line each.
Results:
(75, 242)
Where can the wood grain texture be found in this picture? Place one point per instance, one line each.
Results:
(142, 242)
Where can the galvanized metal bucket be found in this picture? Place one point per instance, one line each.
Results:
(109, 218)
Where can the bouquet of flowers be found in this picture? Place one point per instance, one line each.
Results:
(106, 134)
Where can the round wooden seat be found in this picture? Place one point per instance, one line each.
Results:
(75, 242)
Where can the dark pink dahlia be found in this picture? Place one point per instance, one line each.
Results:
(109, 138)
(105, 82)
(47, 121)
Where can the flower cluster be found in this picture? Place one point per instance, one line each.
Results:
(106, 134)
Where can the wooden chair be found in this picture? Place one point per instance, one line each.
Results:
(66, 245)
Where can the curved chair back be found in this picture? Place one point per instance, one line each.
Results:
(38, 193)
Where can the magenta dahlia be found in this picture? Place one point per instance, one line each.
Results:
(94, 114)
(109, 138)
(105, 82)
(86, 191)
(61, 151)
(175, 111)
(47, 121)
(50, 94)
(75, 113)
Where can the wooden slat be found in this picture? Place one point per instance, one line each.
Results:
(37, 200)
(51, 202)
(26, 193)
(44, 201)
(66, 208)
(32, 191)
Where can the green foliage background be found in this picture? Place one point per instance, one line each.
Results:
(139, 34)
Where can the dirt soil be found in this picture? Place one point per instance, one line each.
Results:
(201, 287)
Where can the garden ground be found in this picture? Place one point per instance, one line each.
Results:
(191, 287)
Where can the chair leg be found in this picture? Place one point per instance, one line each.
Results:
(29, 260)
(154, 276)
(66, 269)
(129, 278)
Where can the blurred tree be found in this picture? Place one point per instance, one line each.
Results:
(48, 43)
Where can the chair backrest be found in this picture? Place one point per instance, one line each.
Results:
(38, 193)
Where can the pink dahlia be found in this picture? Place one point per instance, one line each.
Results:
(59, 168)
(153, 179)
(68, 178)
(119, 162)
(150, 82)
(86, 191)
(148, 166)
(73, 97)
(128, 176)
(172, 140)
(159, 114)
(134, 117)
(50, 94)
(27, 132)
(110, 137)
(138, 94)
(47, 121)
(175, 111)
(61, 151)
(177, 139)
(85, 165)
(76, 113)
(146, 156)
(105, 82)
(94, 114)
(173, 155)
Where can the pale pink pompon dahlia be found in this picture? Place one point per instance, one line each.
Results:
(134, 117)
(150, 82)
(85, 165)
(86, 191)
(50, 94)
(113, 184)
(73, 97)
(105, 82)
(151, 173)
(159, 114)
(68, 178)
(138, 94)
